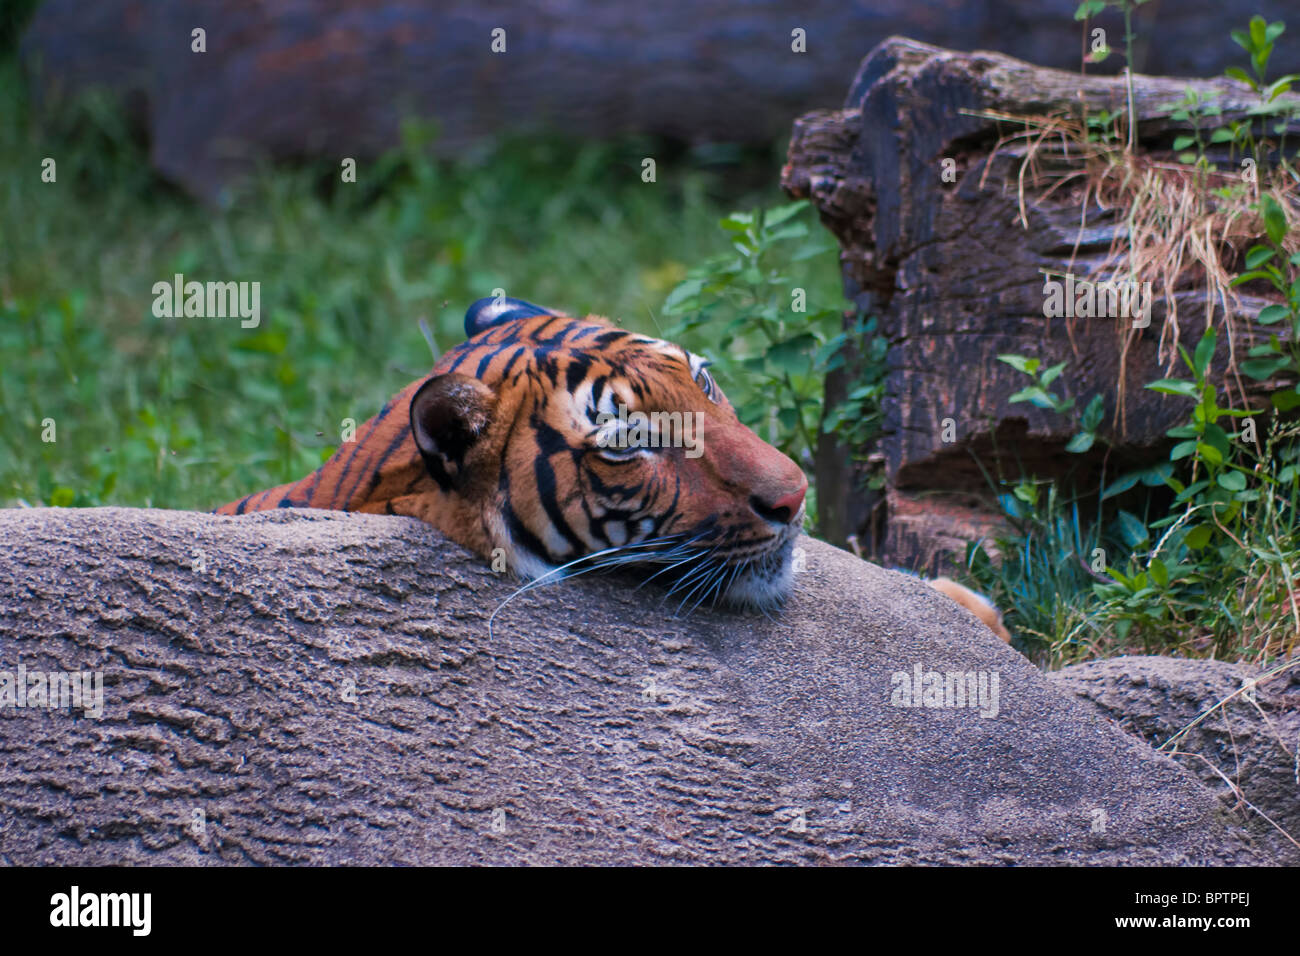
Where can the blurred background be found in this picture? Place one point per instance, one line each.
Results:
(497, 146)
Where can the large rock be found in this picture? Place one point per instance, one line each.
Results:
(1232, 725)
(954, 267)
(334, 78)
(311, 687)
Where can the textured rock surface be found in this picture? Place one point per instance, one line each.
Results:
(956, 278)
(325, 690)
(334, 78)
(1244, 750)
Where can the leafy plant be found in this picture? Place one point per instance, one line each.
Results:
(1271, 263)
(1040, 394)
(1039, 574)
(1258, 40)
(1192, 108)
(857, 419)
(1090, 8)
(770, 333)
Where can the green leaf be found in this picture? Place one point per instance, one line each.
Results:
(1257, 256)
(685, 291)
(1020, 363)
(1120, 485)
(1274, 218)
(1219, 440)
(793, 355)
(1258, 32)
(62, 497)
(1173, 386)
(1157, 475)
(1249, 277)
(1272, 313)
(1232, 480)
(1092, 415)
(1182, 450)
(1209, 453)
(1159, 573)
(1182, 142)
(1081, 442)
(1285, 400)
(793, 231)
(1191, 491)
(1277, 89)
(1012, 506)
(774, 217)
(1035, 396)
(1050, 375)
(1237, 73)
(1204, 352)
(1198, 537)
(1131, 529)
(736, 222)
(1262, 368)
(1089, 8)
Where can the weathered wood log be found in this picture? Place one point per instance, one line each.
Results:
(954, 266)
(310, 687)
(335, 78)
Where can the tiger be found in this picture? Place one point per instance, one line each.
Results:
(547, 440)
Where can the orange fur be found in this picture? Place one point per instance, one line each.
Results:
(977, 604)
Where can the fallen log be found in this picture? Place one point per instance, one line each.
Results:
(952, 229)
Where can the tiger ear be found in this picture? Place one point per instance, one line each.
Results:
(494, 310)
(449, 415)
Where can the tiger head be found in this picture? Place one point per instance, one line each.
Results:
(564, 443)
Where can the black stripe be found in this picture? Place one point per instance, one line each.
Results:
(511, 364)
(377, 469)
(559, 336)
(551, 442)
(578, 369)
(374, 423)
(544, 326)
(487, 360)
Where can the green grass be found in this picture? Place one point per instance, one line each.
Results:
(192, 412)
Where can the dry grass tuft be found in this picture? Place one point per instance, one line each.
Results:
(1178, 226)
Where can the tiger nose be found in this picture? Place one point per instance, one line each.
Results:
(780, 510)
